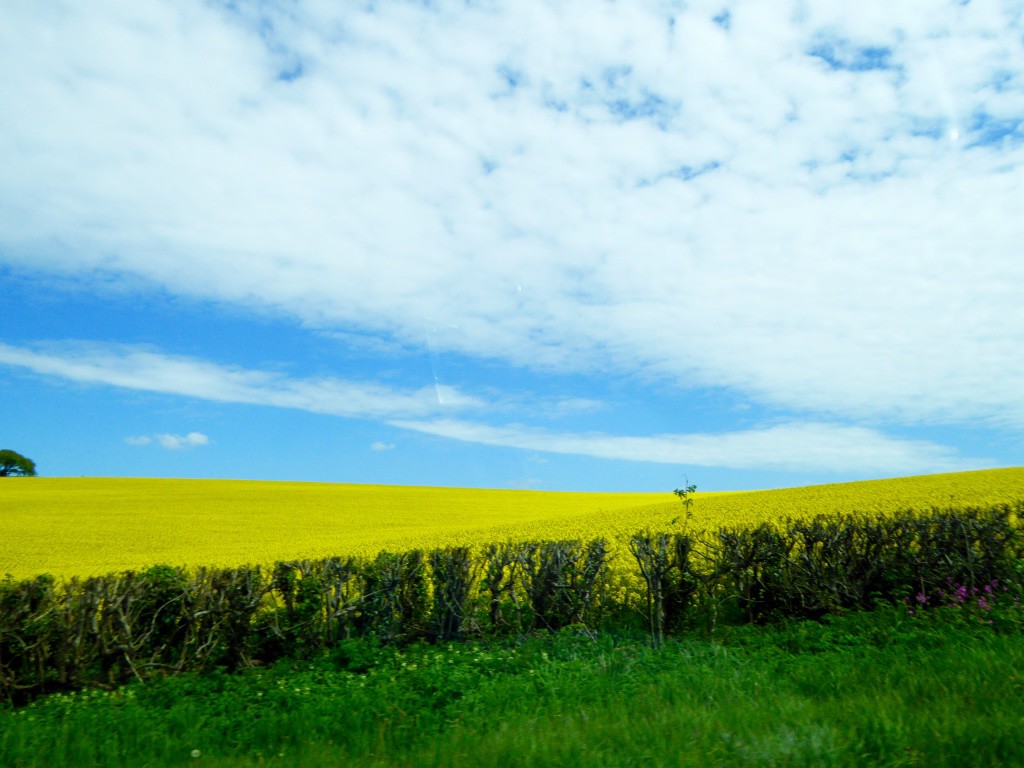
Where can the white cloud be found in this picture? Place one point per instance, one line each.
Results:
(177, 442)
(775, 207)
(798, 446)
(807, 446)
(171, 442)
(148, 370)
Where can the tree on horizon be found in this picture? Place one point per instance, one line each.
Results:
(13, 464)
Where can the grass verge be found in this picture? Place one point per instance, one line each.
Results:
(880, 688)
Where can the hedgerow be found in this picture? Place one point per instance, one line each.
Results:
(104, 631)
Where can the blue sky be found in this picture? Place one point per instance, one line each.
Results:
(580, 246)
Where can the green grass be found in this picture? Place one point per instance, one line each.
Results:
(878, 689)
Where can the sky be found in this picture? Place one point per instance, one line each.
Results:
(589, 246)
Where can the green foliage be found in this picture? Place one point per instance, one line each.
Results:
(105, 631)
(562, 580)
(666, 567)
(811, 568)
(993, 604)
(452, 577)
(13, 464)
(752, 561)
(319, 600)
(685, 495)
(499, 584)
(29, 637)
(395, 597)
(793, 693)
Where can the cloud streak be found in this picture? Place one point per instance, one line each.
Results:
(169, 441)
(808, 446)
(151, 371)
(802, 446)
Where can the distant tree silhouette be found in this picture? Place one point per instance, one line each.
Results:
(15, 465)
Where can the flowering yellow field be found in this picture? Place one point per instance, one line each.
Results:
(86, 526)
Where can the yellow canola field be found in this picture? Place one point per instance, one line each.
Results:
(90, 526)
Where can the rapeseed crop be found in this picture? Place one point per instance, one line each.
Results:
(89, 526)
